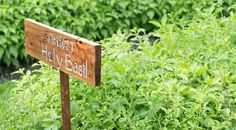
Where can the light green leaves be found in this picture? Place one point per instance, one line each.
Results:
(209, 122)
(119, 68)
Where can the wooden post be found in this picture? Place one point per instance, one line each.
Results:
(65, 101)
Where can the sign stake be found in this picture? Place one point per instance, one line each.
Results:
(65, 101)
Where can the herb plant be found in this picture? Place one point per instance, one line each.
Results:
(186, 80)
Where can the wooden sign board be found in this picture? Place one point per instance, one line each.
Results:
(73, 55)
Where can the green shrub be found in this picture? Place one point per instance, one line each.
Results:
(88, 18)
(5, 88)
(185, 81)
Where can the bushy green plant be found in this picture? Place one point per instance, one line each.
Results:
(185, 81)
(33, 112)
(92, 19)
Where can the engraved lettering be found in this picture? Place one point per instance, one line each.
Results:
(68, 62)
(51, 55)
(85, 70)
(59, 61)
(80, 71)
(61, 43)
(44, 51)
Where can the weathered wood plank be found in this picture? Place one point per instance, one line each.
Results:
(73, 55)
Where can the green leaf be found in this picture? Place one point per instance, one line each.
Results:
(37, 10)
(1, 53)
(164, 20)
(119, 68)
(201, 70)
(144, 19)
(104, 32)
(3, 40)
(74, 107)
(15, 39)
(124, 4)
(150, 14)
(13, 51)
(209, 122)
(155, 23)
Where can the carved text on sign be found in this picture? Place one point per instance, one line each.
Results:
(51, 55)
(75, 56)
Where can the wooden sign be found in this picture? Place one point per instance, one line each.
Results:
(72, 55)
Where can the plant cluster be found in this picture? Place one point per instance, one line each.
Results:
(90, 19)
(184, 80)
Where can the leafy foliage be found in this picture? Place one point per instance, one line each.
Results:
(90, 19)
(184, 81)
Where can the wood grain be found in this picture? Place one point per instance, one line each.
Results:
(65, 101)
(71, 54)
